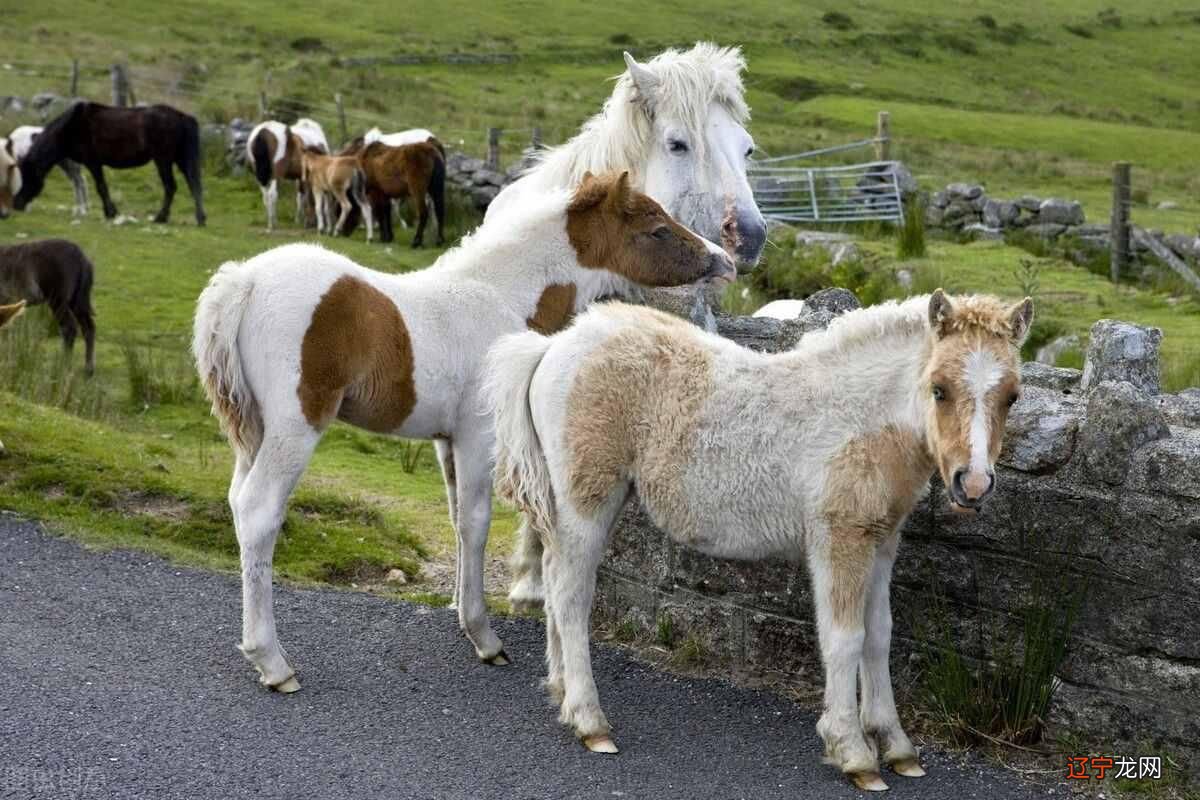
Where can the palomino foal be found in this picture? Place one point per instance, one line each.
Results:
(335, 179)
(297, 337)
(819, 452)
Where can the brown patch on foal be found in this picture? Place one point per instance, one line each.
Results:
(356, 361)
(606, 218)
(872, 485)
(554, 309)
(633, 409)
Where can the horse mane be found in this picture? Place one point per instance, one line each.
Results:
(616, 137)
(901, 319)
(44, 152)
(510, 233)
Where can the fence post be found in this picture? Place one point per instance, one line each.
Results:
(341, 109)
(120, 85)
(1118, 232)
(535, 141)
(493, 155)
(74, 78)
(883, 137)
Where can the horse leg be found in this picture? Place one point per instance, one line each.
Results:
(191, 174)
(259, 509)
(527, 592)
(418, 200)
(319, 207)
(570, 587)
(343, 201)
(97, 171)
(269, 194)
(473, 483)
(66, 327)
(554, 661)
(167, 176)
(878, 713)
(75, 175)
(840, 568)
(445, 455)
(87, 324)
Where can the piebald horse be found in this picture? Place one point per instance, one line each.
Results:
(18, 145)
(297, 337)
(677, 124)
(275, 150)
(817, 453)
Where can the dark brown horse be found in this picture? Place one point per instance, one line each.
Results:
(99, 136)
(409, 172)
(57, 273)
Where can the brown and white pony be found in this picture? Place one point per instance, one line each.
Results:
(99, 136)
(274, 150)
(818, 453)
(409, 172)
(298, 337)
(19, 143)
(337, 179)
(57, 273)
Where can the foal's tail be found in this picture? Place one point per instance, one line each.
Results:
(219, 313)
(522, 475)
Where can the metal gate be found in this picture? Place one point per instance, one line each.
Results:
(787, 191)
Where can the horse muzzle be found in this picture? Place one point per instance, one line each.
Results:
(751, 237)
(968, 490)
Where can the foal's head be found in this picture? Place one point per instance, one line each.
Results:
(615, 227)
(973, 378)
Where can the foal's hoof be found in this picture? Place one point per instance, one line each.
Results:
(868, 781)
(501, 659)
(909, 768)
(603, 744)
(288, 686)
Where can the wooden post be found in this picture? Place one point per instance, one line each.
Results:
(1118, 232)
(262, 105)
(883, 137)
(74, 78)
(493, 156)
(341, 109)
(535, 141)
(120, 85)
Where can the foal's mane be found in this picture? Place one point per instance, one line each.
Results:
(617, 137)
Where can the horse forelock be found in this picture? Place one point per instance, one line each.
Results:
(618, 137)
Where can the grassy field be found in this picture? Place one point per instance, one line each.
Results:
(1023, 97)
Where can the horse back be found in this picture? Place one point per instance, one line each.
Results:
(53, 271)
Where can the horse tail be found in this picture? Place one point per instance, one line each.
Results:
(260, 154)
(522, 474)
(437, 190)
(189, 146)
(219, 313)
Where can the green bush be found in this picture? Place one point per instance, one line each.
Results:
(837, 20)
(910, 240)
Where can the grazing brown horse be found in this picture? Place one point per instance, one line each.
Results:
(57, 273)
(409, 172)
(99, 136)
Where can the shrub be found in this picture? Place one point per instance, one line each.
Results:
(621, 38)
(1080, 31)
(910, 241)
(987, 21)
(837, 20)
(959, 44)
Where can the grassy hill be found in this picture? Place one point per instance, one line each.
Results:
(1024, 98)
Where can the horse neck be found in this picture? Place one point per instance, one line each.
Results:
(877, 379)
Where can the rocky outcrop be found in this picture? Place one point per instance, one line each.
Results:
(1102, 467)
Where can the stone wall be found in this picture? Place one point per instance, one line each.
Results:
(1098, 464)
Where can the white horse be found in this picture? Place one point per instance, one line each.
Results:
(676, 123)
(274, 151)
(297, 337)
(820, 452)
(17, 145)
(400, 138)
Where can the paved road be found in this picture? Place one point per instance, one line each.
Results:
(119, 679)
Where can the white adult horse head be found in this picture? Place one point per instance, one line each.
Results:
(677, 125)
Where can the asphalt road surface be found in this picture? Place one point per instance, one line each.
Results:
(119, 679)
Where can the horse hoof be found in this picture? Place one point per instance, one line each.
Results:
(868, 781)
(909, 768)
(603, 744)
(288, 686)
(501, 659)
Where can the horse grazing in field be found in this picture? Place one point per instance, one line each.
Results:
(99, 136)
(274, 150)
(57, 273)
(820, 452)
(677, 124)
(335, 179)
(19, 143)
(408, 172)
(297, 337)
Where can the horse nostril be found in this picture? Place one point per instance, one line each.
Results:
(751, 237)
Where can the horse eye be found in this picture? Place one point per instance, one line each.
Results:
(750, 153)
(1012, 398)
(676, 146)
(939, 393)
(661, 232)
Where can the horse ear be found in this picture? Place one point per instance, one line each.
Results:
(1020, 318)
(645, 80)
(590, 192)
(940, 311)
(618, 193)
